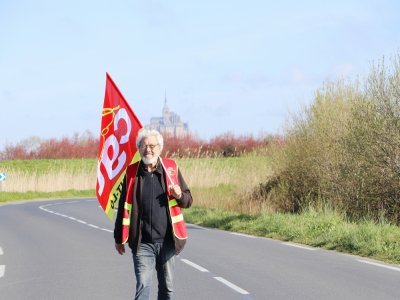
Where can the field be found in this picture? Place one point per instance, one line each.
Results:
(48, 175)
(215, 182)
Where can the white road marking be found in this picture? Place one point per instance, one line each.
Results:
(196, 266)
(232, 286)
(220, 279)
(299, 246)
(379, 265)
(72, 218)
(2, 267)
(245, 235)
(192, 264)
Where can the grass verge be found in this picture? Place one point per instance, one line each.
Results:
(327, 230)
(16, 196)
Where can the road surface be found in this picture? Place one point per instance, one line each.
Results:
(64, 249)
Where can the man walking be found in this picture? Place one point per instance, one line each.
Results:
(149, 215)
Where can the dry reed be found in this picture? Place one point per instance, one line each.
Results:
(223, 182)
(51, 181)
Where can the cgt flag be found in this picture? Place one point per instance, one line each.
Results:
(117, 149)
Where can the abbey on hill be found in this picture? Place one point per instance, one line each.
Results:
(170, 123)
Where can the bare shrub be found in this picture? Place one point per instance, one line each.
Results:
(224, 145)
(86, 146)
(77, 146)
(310, 162)
(344, 150)
(373, 147)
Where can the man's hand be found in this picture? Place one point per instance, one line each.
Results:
(120, 248)
(175, 191)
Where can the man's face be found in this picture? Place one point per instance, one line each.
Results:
(149, 150)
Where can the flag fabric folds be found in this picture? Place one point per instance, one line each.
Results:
(117, 148)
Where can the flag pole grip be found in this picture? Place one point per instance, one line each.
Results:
(166, 172)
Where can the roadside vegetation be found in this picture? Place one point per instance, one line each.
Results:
(48, 175)
(318, 228)
(343, 151)
(332, 181)
(18, 196)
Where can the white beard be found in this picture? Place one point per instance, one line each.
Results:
(150, 161)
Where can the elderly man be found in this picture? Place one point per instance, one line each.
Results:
(149, 213)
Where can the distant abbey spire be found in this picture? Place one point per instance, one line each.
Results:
(170, 122)
(165, 108)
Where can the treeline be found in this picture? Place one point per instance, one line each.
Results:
(225, 145)
(343, 151)
(87, 146)
(78, 146)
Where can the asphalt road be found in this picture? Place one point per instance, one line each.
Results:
(64, 249)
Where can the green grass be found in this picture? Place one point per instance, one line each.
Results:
(41, 166)
(327, 230)
(15, 196)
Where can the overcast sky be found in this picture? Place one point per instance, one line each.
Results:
(237, 66)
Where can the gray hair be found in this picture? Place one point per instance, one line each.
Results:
(144, 133)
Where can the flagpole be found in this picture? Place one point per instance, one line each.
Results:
(165, 169)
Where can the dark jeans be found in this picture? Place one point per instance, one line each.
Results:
(160, 256)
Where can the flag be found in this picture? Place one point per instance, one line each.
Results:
(117, 148)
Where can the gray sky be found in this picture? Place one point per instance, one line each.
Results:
(238, 66)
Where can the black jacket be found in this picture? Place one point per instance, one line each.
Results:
(135, 233)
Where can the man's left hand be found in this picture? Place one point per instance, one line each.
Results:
(176, 191)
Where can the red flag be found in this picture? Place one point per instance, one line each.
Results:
(119, 128)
